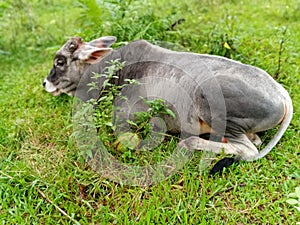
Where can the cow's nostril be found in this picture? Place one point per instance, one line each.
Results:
(44, 83)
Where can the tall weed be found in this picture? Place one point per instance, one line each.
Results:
(127, 20)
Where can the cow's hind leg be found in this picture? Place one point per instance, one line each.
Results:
(241, 147)
(254, 138)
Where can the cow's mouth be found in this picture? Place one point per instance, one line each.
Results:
(55, 93)
(50, 87)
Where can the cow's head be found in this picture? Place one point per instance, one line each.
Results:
(70, 63)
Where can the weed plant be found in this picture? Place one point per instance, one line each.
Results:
(127, 146)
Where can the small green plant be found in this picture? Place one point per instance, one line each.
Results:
(127, 20)
(141, 123)
(104, 105)
(141, 126)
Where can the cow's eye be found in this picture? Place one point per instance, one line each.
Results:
(60, 63)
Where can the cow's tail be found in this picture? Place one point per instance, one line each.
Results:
(283, 126)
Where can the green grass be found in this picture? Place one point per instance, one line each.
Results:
(41, 170)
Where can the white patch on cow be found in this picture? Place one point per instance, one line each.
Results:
(49, 86)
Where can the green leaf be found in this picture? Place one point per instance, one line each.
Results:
(130, 122)
(226, 45)
(171, 113)
(102, 98)
(292, 201)
(297, 191)
(110, 124)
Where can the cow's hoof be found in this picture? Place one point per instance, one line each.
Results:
(223, 163)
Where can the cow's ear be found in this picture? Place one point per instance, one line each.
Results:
(90, 54)
(103, 42)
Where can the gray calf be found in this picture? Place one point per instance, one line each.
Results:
(210, 94)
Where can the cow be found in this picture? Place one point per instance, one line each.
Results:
(210, 94)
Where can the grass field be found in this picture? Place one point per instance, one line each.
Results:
(43, 177)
